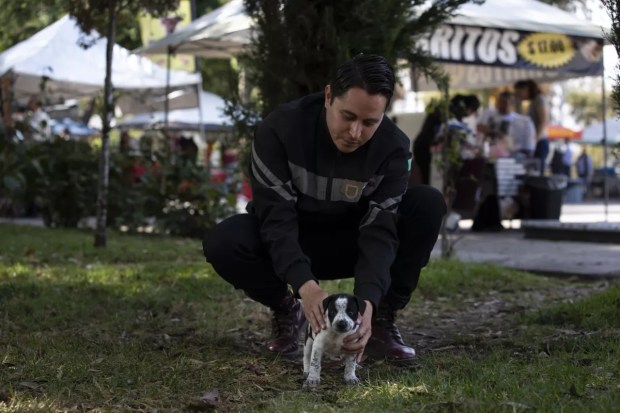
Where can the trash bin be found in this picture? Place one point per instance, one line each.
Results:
(574, 192)
(545, 195)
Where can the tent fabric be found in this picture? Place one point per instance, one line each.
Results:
(213, 118)
(75, 128)
(524, 15)
(593, 133)
(219, 34)
(478, 47)
(56, 53)
(559, 132)
(502, 41)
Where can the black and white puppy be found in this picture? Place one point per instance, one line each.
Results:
(341, 313)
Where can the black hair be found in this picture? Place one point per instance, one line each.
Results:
(506, 95)
(460, 103)
(472, 102)
(370, 72)
(532, 87)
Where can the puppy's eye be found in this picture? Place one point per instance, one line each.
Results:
(352, 314)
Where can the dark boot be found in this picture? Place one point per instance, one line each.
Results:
(386, 342)
(287, 319)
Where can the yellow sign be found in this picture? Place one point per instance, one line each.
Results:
(154, 28)
(547, 50)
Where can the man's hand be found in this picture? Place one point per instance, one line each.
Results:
(356, 342)
(313, 296)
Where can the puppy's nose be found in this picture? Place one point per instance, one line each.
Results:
(342, 325)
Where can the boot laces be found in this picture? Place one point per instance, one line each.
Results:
(284, 320)
(386, 319)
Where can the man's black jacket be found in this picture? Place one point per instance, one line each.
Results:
(298, 175)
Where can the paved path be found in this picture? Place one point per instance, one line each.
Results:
(566, 258)
(510, 249)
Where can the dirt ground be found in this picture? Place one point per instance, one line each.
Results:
(435, 328)
(439, 325)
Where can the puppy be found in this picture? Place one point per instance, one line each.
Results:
(341, 311)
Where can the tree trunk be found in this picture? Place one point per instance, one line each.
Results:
(108, 110)
(9, 127)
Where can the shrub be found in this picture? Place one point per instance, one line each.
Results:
(62, 180)
(182, 197)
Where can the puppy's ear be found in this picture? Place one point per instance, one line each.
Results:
(327, 301)
(361, 305)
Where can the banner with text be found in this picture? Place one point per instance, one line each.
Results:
(489, 57)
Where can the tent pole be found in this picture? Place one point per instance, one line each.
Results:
(605, 180)
(203, 138)
(167, 92)
(171, 142)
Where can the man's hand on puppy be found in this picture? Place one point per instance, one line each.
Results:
(313, 296)
(356, 342)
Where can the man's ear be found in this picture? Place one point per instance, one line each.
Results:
(328, 96)
(361, 305)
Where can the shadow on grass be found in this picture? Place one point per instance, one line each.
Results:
(146, 326)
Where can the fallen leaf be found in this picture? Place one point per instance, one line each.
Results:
(29, 385)
(196, 362)
(212, 398)
(255, 369)
(516, 406)
(418, 389)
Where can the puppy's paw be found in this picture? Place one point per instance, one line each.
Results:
(312, 382)
(352, 381)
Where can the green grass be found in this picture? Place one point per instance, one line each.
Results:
(145, 325)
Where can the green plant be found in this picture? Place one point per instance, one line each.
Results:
(448, 163)
(193, 202)
(12, 179)
(177, 196)
(62, 180)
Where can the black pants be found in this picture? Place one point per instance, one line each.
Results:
(423, 158)
(237, 254)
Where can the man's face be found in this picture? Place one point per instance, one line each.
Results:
(522, 93)
(504, 105)
(353, 118)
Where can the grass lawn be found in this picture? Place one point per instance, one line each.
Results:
(146, 326)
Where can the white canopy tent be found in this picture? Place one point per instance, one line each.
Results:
(220, 34)
(594, 133)
(484, 45)
(209, 117)
(56, 59)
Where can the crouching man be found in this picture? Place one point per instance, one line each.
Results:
(329, 178)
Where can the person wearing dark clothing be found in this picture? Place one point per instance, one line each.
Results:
(329, 177)
(585, 169)
(422, 145)
(460, 107)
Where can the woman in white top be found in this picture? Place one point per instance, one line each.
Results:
(538, 111)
